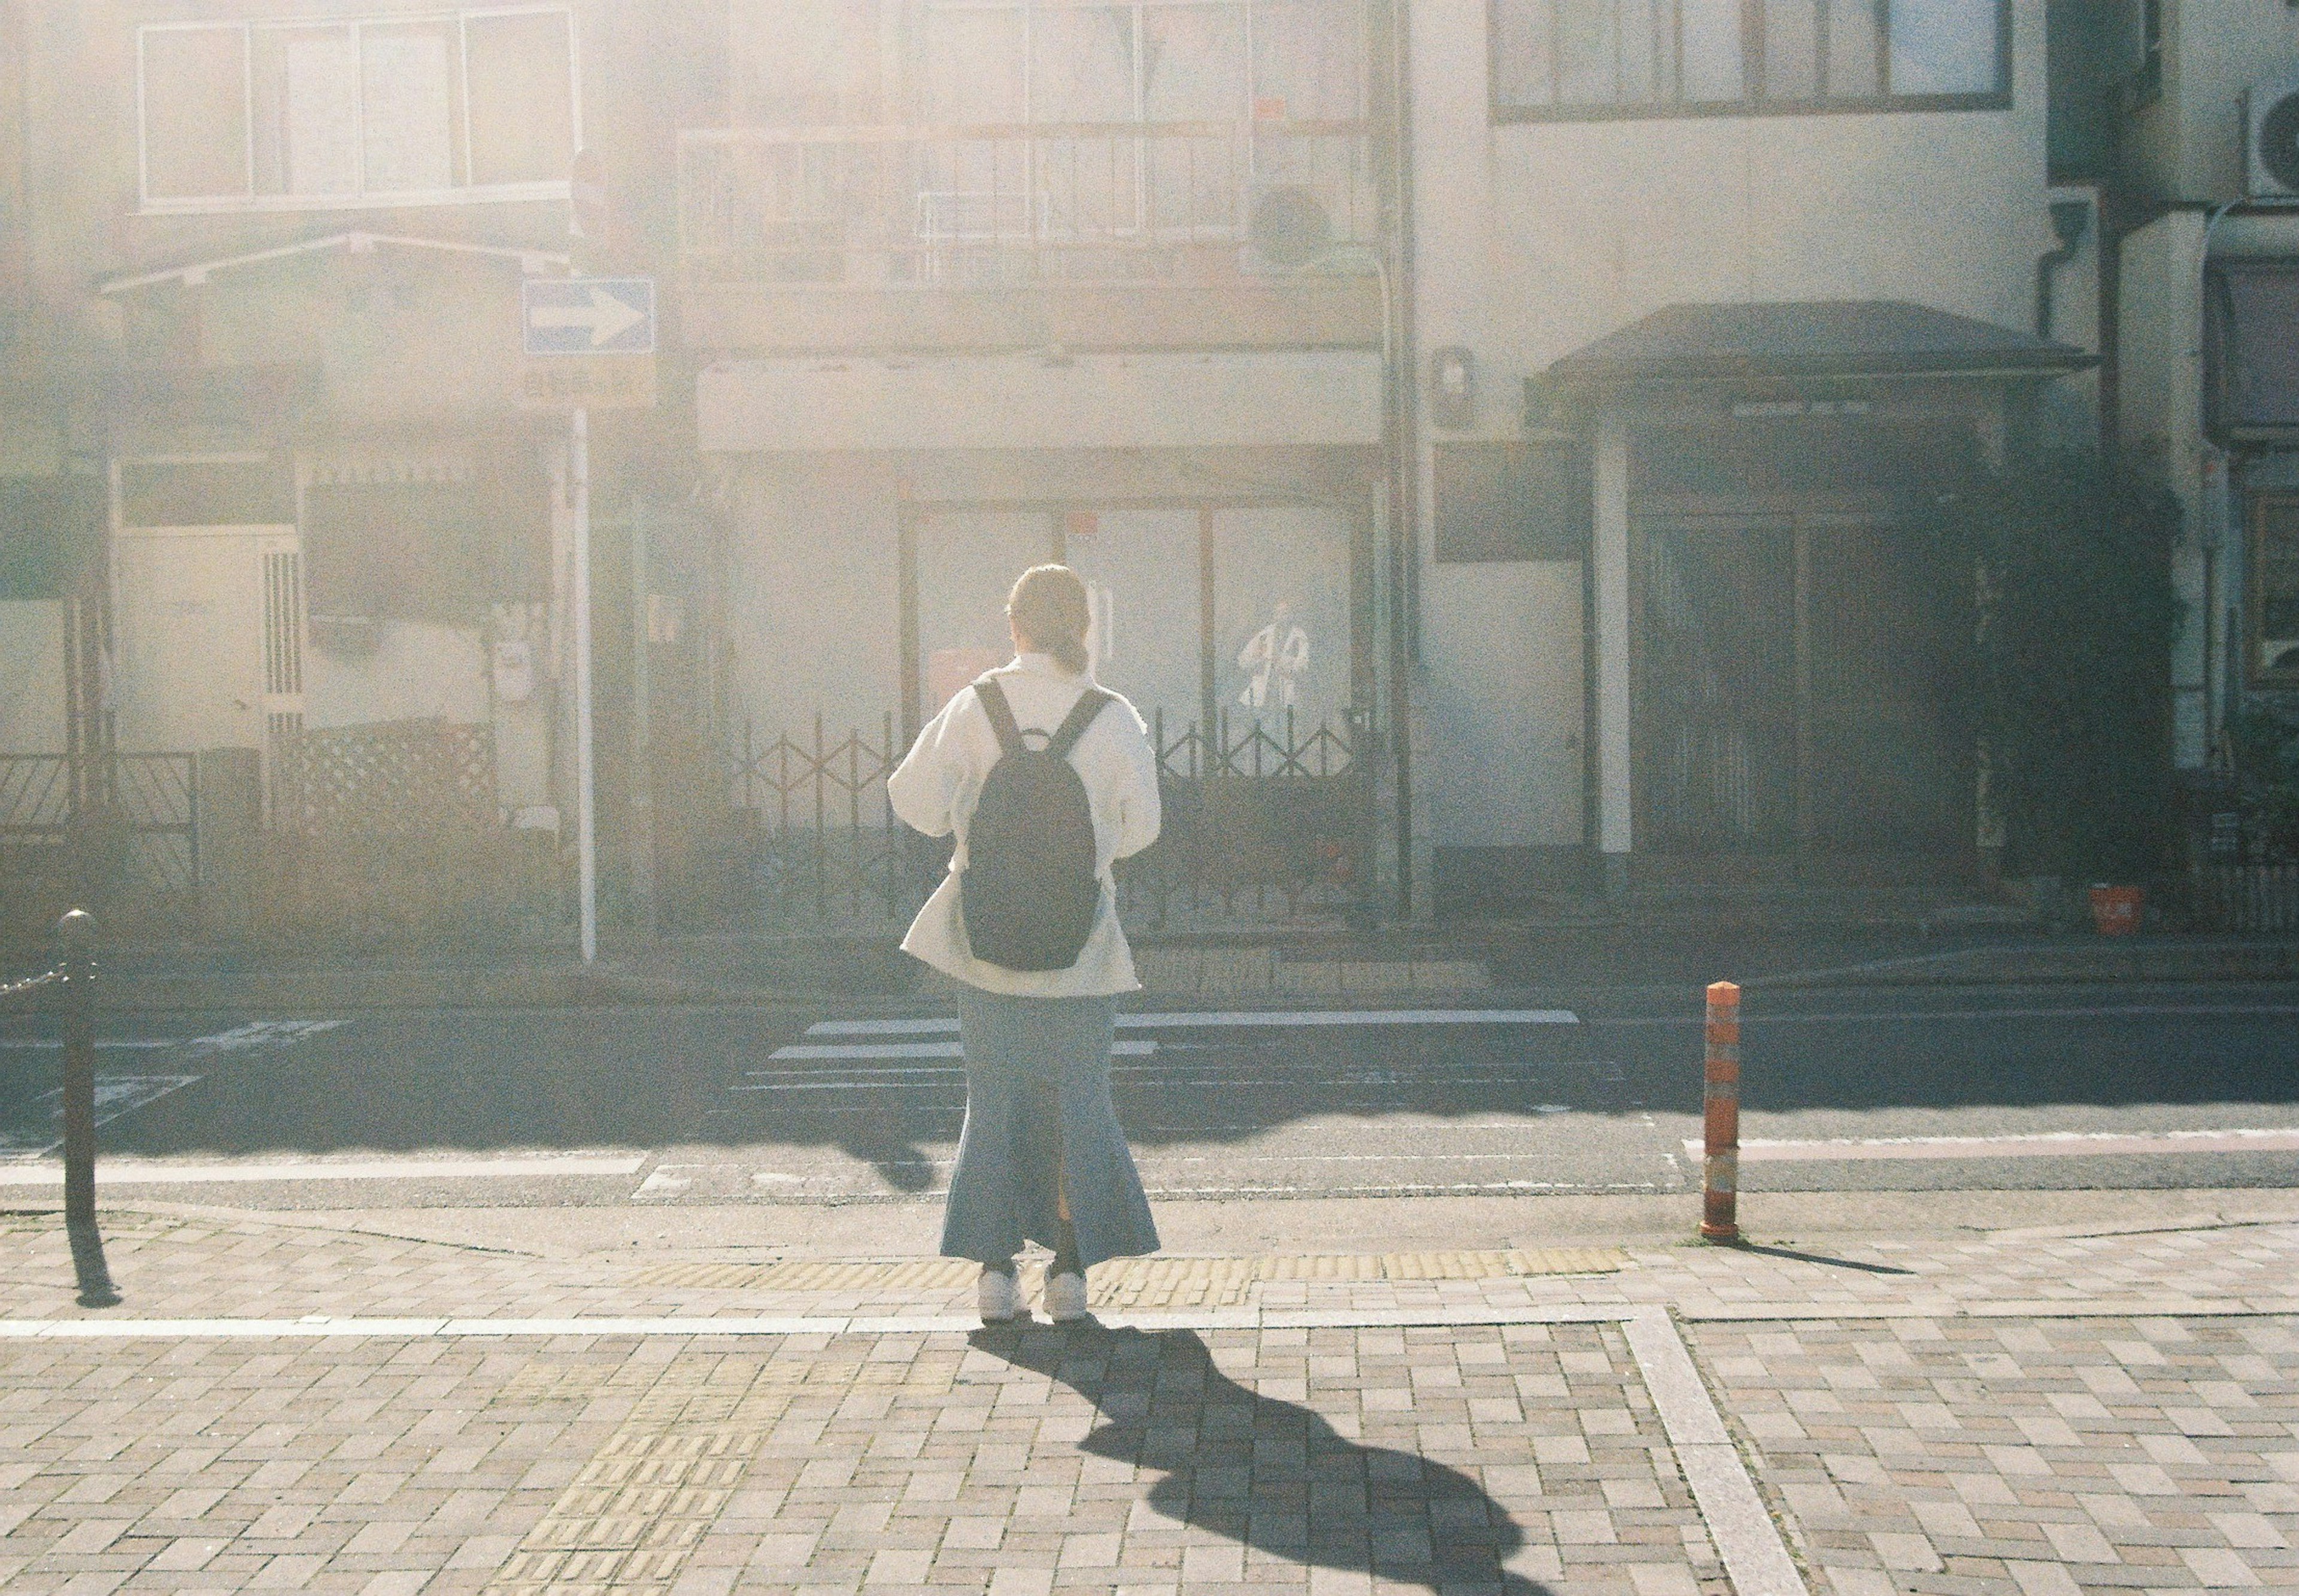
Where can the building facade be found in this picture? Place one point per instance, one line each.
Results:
(1708, 300)
(1491, 431)
(274, 256)
(2206, 169)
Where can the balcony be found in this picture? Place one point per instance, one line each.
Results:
(1180, 235)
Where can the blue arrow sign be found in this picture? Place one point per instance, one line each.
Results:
(588, 315)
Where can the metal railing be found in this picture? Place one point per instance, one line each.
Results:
(144, 808)
(997, 204)
(68, 987)
(1265, 818)
(2241, 876)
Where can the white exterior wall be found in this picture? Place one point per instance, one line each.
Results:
(31, 676)
(2161, 420)
(2188, 144)
(1533, 240)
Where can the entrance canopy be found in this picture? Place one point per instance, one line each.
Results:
(1767, 642)
(1808, 339)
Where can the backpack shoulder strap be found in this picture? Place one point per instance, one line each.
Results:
(1081, 716)
(1001, 714)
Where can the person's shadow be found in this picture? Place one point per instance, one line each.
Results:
(1271, 1475)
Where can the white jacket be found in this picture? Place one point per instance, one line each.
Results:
(940, 780)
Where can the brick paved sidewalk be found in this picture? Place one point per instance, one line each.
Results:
(2020, 1414)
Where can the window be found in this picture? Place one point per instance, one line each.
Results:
(2275, 591)
(1566, 59)
(1510, 502)
(2147, 73)
(1092, 62)
(283, 115)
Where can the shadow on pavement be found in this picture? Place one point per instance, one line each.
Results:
(1793, 1256)
(1273, 1475)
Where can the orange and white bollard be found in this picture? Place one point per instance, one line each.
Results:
(1720, 1101)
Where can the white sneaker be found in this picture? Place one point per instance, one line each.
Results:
(1000, 1296)
(1066, 1297)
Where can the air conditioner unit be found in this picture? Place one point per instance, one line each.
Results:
(1286, 229)
(2271, 116)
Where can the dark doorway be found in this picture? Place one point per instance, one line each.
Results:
(1795, 690)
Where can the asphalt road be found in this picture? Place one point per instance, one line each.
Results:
(1845, 1091)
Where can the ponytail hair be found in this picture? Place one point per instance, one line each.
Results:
(1048, 606)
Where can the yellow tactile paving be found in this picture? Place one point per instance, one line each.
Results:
(1146, 1281)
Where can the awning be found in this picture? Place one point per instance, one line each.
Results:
(216, 395)
(192, 274)
(1817, 339)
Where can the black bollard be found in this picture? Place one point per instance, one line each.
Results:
(77, 931)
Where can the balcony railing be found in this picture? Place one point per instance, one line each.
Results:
(1008, 206)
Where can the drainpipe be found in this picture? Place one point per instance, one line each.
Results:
(2070, 219)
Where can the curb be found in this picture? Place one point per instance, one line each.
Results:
(2140, 960)
(2136, 960)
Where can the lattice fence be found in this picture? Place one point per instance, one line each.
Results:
(394, 779)
(394, 830)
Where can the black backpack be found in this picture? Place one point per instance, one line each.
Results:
(1029, 890)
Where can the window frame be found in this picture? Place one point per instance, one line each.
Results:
(1752, 54)
(1248, 112)
(2146, 62)
(465, 193)
(2257, 673)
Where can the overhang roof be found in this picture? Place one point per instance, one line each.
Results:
(192, 274)
(1859, 338)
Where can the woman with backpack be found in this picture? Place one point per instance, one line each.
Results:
(1046, 779)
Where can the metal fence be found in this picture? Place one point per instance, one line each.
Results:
(992, 206)
(1265, 818)
(2243, 873)
(2246, 897)
(132, 819)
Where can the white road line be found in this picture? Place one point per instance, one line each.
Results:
(136, 1172)
(1868, 1017)
(1746, 1536)
(139, 1045)
(2043, 1144)
(1194, 1076)
(115, 1095)
(919, 1050)
(1240, 1020)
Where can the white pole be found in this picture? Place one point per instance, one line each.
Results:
(1611, 553)
(586, 838)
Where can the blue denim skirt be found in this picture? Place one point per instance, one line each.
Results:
(1038, 1120)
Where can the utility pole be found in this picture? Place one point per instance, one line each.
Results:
(587, 818)
(643, 853)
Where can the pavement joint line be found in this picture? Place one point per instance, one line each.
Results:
(1747, 1538)
(1466, 1315)
(125, 1172)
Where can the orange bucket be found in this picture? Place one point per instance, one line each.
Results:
(2116, 910)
